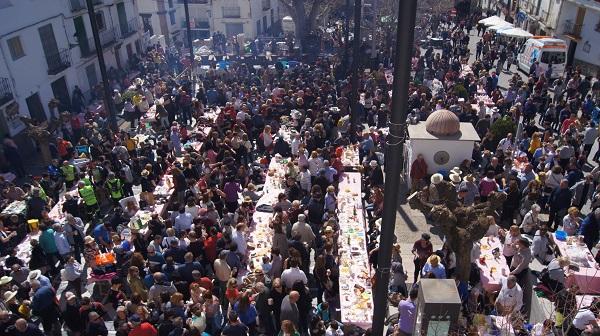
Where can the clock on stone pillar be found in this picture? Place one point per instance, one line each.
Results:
(441, 157)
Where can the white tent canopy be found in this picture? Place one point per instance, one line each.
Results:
(515, 32)
(493, 21)
(501, 27)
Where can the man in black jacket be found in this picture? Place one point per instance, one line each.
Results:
(261, 300)
(23, 328)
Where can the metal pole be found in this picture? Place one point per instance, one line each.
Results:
(353, 99)
(394, 156)
(189, 38)
(108, 102)
(346, 38)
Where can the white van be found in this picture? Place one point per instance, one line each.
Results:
(287, 25)
(545, 50)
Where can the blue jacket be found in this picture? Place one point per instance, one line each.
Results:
(589, 229)
(560, 198)
(247, 317)
(42, 299)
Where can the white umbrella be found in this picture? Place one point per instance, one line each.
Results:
(491, 18)
(515, 32)
(501, 27)
(493, 21)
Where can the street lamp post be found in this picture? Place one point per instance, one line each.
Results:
(394, 156)
(346, 37)
(353, 99)
(108, 101)
(189, 38)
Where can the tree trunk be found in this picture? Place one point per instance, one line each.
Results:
(300, 23)
(463, 261)
(43, 143)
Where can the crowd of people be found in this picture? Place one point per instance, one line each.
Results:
(187, 268)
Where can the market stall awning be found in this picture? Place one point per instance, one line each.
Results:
(500, 27)
(515, 32)
(493, 21)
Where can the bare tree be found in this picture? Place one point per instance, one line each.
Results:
(307, 13)
(462, 226)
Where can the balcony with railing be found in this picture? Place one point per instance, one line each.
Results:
(130, 28)
(572, 29)
(107, 37)
(266, 5)
(77, 5)
(6, 93)
(59, 61)
(231, 12)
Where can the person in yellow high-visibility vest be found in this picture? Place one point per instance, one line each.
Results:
(87, 193)
(115, 188)
(69, 173)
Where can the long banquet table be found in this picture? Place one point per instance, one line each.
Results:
(356, 295)
(491, 267)
(587, 277)
(261, 235)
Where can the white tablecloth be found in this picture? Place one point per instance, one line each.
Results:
(356, 296)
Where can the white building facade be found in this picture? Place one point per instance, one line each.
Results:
(50, 50)
(579, 25)
(539, 17)
(575, 21)
(159, 19)
(252, 18)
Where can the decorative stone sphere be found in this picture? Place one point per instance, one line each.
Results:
(442, 123)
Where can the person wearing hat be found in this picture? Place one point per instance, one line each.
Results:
(5, 280)
(519, 265)
(37, 275)
(10, 302)
(456, 170)
(455, 179)
(434, 196)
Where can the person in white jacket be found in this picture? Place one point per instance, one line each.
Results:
(72, 274)
(62, 242)
(304, 179)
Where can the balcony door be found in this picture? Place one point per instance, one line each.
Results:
(35, 107)
(61, 92)
(580, 17)
(122, 18)
(49, 45)
(81, 36)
